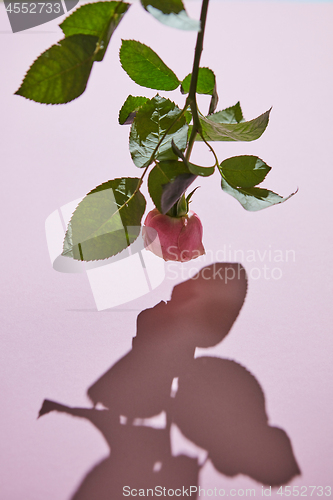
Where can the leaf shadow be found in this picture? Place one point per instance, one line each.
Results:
(219, 405)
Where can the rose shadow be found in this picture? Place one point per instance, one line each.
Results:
(219, 404)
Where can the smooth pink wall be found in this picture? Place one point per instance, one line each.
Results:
(55, 344)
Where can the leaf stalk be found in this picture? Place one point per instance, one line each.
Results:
(192, 100)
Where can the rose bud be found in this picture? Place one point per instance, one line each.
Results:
(173, 238)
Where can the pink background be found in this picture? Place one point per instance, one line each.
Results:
(54, 342)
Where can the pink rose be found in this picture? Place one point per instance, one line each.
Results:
(179, 238)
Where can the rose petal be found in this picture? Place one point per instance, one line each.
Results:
(179, 238)
(190, 239)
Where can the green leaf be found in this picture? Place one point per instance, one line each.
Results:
(194, 169)
(61, 73)
(244, 171)
(188, 198)
(161, 175)
(129, 109)
(205, 84)
(202, 171)
(145, 67)
(233, 114)
(150, 124)
(188, 116)
(98, 19)
(106, 221)
(165, 6)
(253, 199)
(244, 131)
(171, 13)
